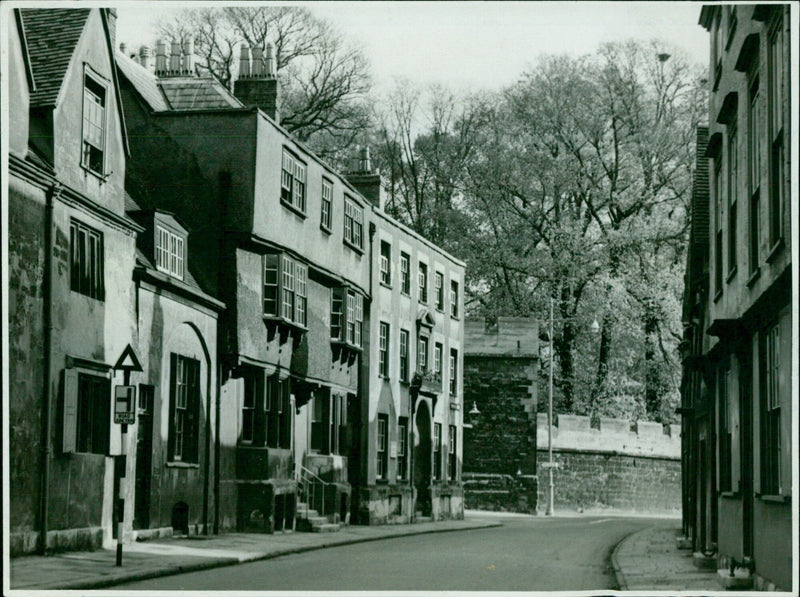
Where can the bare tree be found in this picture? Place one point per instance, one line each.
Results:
(324, 80)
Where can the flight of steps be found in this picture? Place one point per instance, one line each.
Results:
(309, 520)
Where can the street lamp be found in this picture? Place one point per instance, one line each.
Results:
(550, 465)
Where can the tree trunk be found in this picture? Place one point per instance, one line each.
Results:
(651, 398)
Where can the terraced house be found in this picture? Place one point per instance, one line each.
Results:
(746, 349)
(71, 261)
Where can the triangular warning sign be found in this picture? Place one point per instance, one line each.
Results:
(128, 361)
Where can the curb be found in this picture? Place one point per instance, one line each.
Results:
(102, 583)
(618, 573)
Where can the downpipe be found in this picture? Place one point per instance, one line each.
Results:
(47, 298)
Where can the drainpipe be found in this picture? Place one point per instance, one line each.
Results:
(47, 292)
(207, 454)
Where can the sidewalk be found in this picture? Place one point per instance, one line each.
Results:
(649, 560)
(164, 557)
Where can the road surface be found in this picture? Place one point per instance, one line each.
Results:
(526, 554)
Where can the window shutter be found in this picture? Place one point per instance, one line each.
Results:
(70, 422)
(733, 418)
(173, 372)
(756, 393)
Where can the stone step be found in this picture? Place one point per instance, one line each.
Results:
(420, 518)
(327, 527)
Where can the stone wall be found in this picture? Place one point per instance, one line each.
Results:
(620, 465)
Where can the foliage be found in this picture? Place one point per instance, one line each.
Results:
(573, 185)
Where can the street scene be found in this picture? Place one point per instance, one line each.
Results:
(399, 297)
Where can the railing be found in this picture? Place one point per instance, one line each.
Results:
(311, 490)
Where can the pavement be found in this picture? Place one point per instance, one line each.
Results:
(165, 557)
(649, 560)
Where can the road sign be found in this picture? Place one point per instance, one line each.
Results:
(128, 361)
(125, 405)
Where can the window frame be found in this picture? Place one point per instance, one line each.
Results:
(294, 177)
(326, 206)
(347, 317)
(438, 354)
(423, 345)
(724, 434)
(422, 282)
(776, 80)
(718, 258)
(382, 445)
(353, 224)
(405, 337)
(754, 171)
(385, 268)
(384, 339)
(93, 414)
(438, 285)
(174, 253)
(770, 411)
(405, 273)
(402, 448)
(454, 311)
(87, 260)
(437, 451)
(452, 443)
(453, 381)
(733, 196)
(184, 431)
(285, 288)
(90, 78)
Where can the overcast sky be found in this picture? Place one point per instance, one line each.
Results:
(472, 44)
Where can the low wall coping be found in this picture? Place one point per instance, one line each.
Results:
(615, 425)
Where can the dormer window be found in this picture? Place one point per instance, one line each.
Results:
(94, 125)
(170, 254)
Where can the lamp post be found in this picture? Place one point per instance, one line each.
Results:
(594, 328)
(549, 511)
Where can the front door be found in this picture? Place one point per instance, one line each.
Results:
(422, 459)
(144, 458)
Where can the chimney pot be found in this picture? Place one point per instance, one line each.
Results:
(188, 56)
(161, 57)
(175, 58)
(144, 56)
(244, 61)
(271, 68)
(258, 62)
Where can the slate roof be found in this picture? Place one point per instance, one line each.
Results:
(143, 80)
(52, 35)
(176, 93)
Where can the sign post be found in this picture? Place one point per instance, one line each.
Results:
(124, 415)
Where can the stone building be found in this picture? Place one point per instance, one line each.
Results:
(501, 370)
(747, 350)
(281, 240)
(72, 308)
(413, 397)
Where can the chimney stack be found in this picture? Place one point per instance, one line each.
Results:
(188, 57)
(161, 58)
(366, 180)
(257, 84)
(144, 57)
(175, 59)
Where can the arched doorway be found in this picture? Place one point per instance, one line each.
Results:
(422, 459)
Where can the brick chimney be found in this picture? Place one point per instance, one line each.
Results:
(366, 180)
(175, 59)
(257, 84)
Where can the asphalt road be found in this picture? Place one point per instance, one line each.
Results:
(526, 554)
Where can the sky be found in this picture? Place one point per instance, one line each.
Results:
(470, 45)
